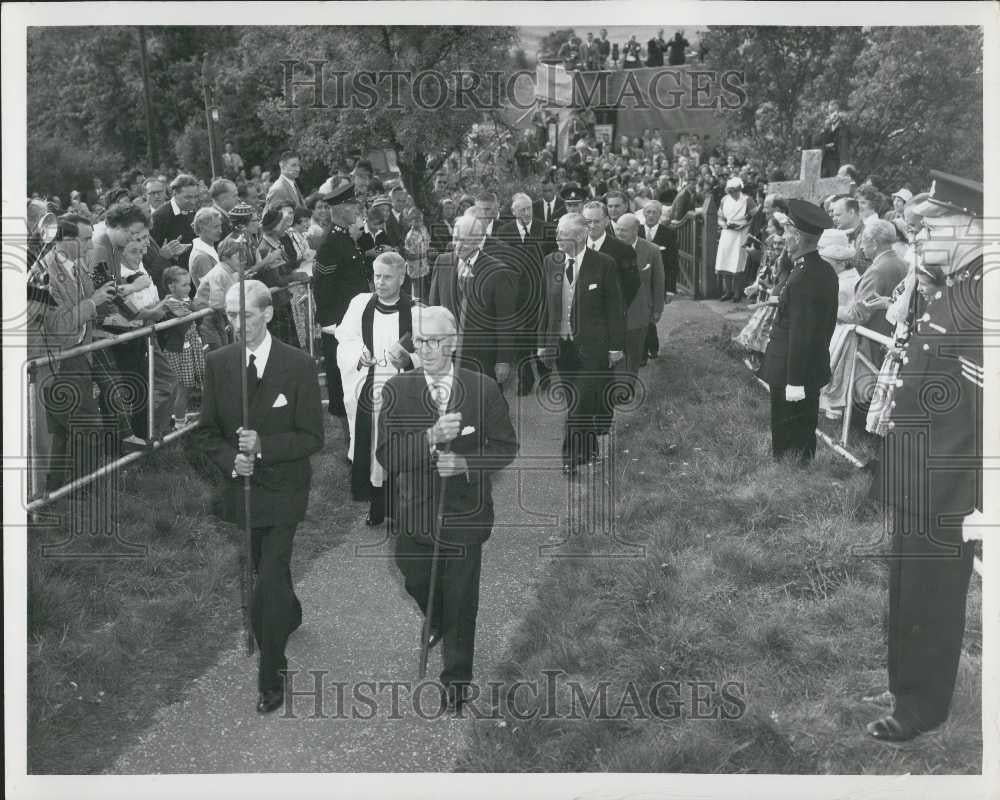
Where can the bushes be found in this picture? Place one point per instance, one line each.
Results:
(57, 167)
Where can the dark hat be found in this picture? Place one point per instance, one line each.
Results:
(951, 194)
(240, 214)
(808, 217)
(341, 194)
(572, 193)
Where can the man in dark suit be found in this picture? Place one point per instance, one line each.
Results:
(581, 331)
(481, 293)
(600, 239)
(284, 428)
(395, 227)
(684, 201)
(172, 222)
(525, 237)
(664, 239)
(548, 208)
(445, 429)
(797, 362)
(934, 457)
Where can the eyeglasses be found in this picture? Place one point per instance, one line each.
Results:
(434, 344)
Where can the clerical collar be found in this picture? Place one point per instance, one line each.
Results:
(386, 307)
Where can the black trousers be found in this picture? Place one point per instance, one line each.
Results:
(334, 385)
(276, 611)
(456, 598)
(928, 582)
(652, 341)
(793, 425)
(590, 411)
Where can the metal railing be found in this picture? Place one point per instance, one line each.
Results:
(840, 447)
(36, 497)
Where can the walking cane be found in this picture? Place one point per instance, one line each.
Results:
(246, 573)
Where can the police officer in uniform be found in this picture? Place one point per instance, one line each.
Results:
(339, 274)
(797, 362)
(573, 197)
(933, 464)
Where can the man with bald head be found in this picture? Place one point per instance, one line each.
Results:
(284, 428)
(443, 429)
(481, 293)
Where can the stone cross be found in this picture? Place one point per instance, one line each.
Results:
(810, 186)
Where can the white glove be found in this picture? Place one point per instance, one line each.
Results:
(793, 394)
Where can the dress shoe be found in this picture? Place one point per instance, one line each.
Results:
(434, 639)
(891, 729)
(725, 297)
(270, 700)
(373, 520)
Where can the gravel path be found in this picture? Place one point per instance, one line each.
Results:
(360, 635)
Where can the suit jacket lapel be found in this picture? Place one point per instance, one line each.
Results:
(270, 385)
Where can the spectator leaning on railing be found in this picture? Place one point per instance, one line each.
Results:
(59, 319)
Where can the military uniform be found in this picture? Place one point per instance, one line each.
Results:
(798, 354)
(339, 274)
(933, 456)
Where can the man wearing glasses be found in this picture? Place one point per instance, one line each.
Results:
(443, 429)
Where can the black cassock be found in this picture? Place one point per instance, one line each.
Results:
(933, 478)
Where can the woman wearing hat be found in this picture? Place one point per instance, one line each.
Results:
(734, 220)
(836, 250)
(281, 272)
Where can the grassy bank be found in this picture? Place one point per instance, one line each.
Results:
(112, 640)
(765, 576)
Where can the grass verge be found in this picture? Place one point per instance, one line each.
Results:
(758, 576)
(112, 640)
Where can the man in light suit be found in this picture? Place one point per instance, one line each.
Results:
(581, 332)
(285, 188)
(285, 427)
(445, 429)
(481, 293)
(665, 239)
(647, 305)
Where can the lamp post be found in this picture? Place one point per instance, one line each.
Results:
(211, 114)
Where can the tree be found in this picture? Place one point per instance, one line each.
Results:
(421, 136)
(911, 98)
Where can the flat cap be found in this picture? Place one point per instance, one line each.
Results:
(341, 194)
(572, 193)
(951, 194)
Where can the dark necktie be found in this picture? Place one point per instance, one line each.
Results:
(570, 264)
(252, 379)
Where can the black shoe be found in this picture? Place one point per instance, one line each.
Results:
(270, 700)
(374, 520)
(891, 729)
(434, 639)
(725, 297)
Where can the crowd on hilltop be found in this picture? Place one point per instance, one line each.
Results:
(600, 53)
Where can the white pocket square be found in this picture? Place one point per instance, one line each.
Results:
(643, 269)
(280, 401)
(467, 430)
(591, 287)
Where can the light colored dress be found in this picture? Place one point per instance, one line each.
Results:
(731, 255)
(843, 345)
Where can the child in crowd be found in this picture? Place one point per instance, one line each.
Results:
(182, 345)
(775, 267)
(300, 293)
(212, 292)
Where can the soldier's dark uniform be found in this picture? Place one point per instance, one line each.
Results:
(798, 353)
(339, 274)
(933, 479)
